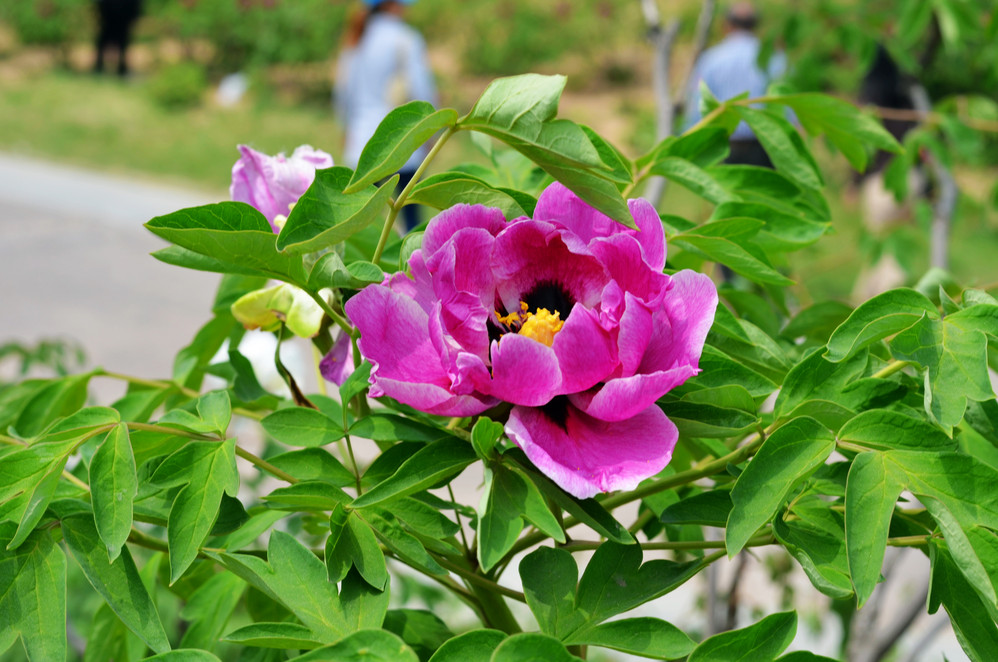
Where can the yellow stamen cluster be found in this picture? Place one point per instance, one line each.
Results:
(541, 325)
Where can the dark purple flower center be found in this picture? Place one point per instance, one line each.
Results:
(557, 411)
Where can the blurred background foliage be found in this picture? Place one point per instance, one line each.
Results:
(167, 121)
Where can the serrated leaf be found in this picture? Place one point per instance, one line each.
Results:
(549, 578)
(437, 461)
(872, 490)
(734, 255)
(398, 136)
(963, 553)
(764, 640)
(113, 486)
(325, 215)
(484, 437)
(355, 544)
(406, 546)
(816, 538)
(877, 318)
(117, 581)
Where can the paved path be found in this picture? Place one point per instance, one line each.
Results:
(75, 264)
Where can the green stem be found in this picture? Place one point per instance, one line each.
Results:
(891, 368)
(165, 385)
(475, 579)
(177, 432)
(332, 314)
(680, 545)
(496, 611)
(400, 200)
(262, 464)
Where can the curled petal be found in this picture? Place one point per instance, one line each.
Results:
(524, 371)
(680, 332)
(585, 350)
(585, 455)
(559, 204)
(619, 399)
(272, 184)
(460, 217)
(405, 365)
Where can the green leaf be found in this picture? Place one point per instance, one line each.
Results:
(964, 554)
(484, 437)
(421, 630)
(313, 464)
(297, 578)
(441, 190)
(308, 495)
(396, 139)
(851, 131)
(406, 546)
(646, 637)
(113, 486)
(330, 271)
(355, 544)
(183, 655)
(872, 490)
(710, 508)
(531, 647)
(387, 427)
(705, 420)
(209, 608)
(817, 540)
(718, 369)
(955, 359)
(233, 233)
(38, 498)
(473, 645)
(963, 483)
(364, 606)
(117, 581)
(60, 397)
(615, 581)
(33, 595)
(877, 318)
(787, 457)
(325, 215)
(784, 146)
(512, 501)
(363, 646)
(762, 641)
(882, 429)
(704, 147)
(549, 577)
(620, 168)
(437, 461)
(816, 378)
(817, 322)
(972, 622)
(784, 230)
(209, 470)
(734, 255)
(694, 178)
(274, 635)
(302, 427)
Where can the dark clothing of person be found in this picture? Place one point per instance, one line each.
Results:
(116, 19)
(886, 86)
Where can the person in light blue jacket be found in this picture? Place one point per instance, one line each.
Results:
(383, 65)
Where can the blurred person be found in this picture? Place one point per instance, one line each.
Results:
(731, 68)
(116, 19)
(383, 65)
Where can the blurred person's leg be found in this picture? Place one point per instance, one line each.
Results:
(410, 213)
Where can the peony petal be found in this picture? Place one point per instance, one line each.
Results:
(586, 351)
(272, 184)
(434, 399)
(619, 399)
(529, 254)
(524, 371)
(560, 205)
(337, 364)
(634, 333)
(459, 217)
(681, 328)
(584, 455)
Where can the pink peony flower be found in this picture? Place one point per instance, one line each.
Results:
(337, 364)
(567, 316)
(273, 184)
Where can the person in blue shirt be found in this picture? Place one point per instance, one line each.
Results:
(731, 68)
(383, 65)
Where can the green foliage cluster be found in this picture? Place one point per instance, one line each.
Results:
(47, 22)
(179, 85)
(255, 33)
(884, 432)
